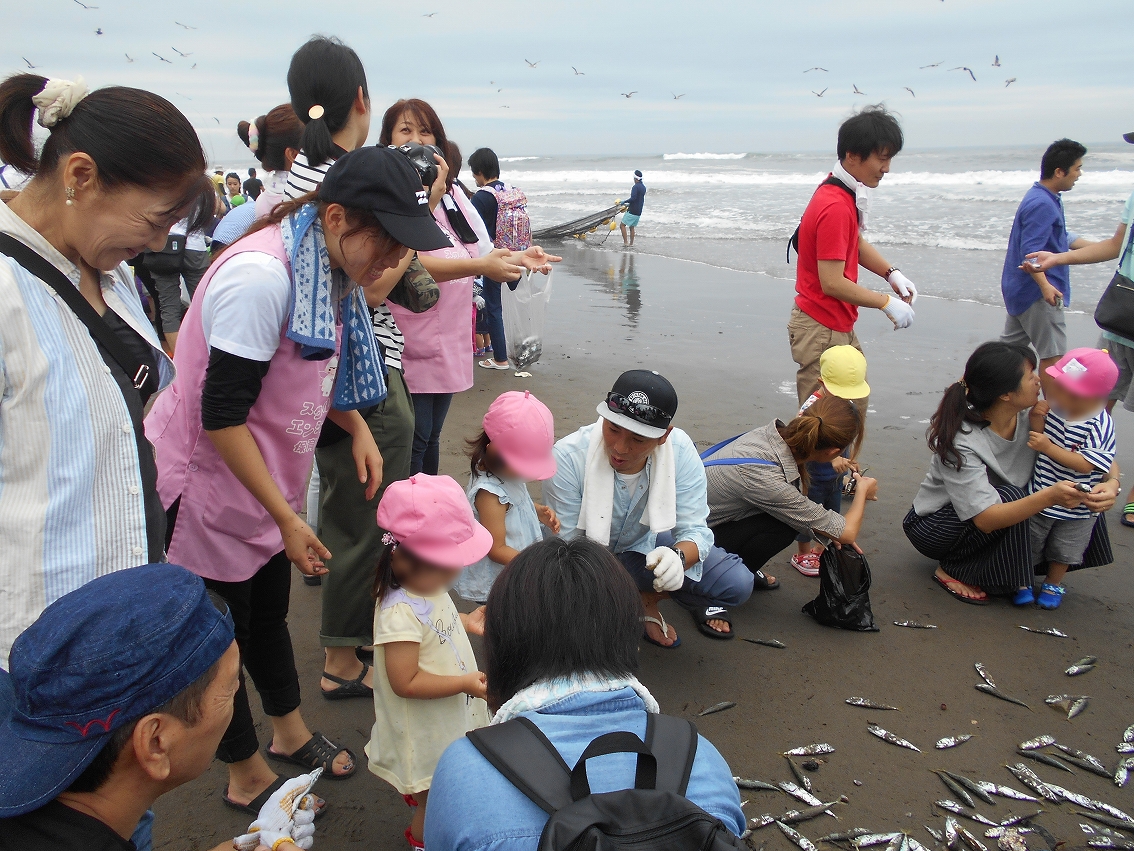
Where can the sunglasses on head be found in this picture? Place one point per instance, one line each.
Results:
(648, 414)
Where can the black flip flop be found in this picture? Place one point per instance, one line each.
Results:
(701, 617)
(319, 752)
(762, 583)
(254, 806)
(348, 688)
(970, 600)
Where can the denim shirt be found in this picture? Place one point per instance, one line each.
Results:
(473, 807)
(564, 493)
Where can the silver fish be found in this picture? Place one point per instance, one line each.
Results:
(937, 835)
(914, 845)
(970, 840)
(796, 816)
(973, 787)
(1037, 743)
(1045, 759)
(1087, 663)
(1077, 706)
(766, 642)
(800, 777)
(984, 675)
(951, 742)
(866, 703)
(956, 809)
(956, 788)
(845, 836)
(742, 783)
(717, 707)
(1128, 734)
(811, 750)
(1049, 631)
(1004, 791)
(1011, 820)
(1125, 747)
(1073, 797)
(898, 843)
(796, 837)
(951, 836)
(1029, 778)
(1085, 757)
(805, 796)
(915, 625)
(1123, 771)
(1110, 821)
(761, 821)
(1087, 765)
(1127, 823)
(995, 692)
(887, 736)
(997, 832)
(869, 840)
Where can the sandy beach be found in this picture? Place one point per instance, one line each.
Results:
(720, 337)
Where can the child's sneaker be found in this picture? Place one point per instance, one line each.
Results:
(806, 563)
(1051, 596)
(1024, 597)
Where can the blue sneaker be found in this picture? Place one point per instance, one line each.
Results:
(1051, 596)
(1024, 597)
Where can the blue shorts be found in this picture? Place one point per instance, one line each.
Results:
(630, 220)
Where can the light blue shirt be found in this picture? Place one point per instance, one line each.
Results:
(472, 807)
(521, 529)
(563, 493)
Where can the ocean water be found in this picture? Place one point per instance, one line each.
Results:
(942, 216)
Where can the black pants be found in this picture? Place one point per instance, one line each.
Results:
(755, 539)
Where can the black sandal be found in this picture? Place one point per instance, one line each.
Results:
(761, 582)
(701, 617)
(254, 806)
(348, 688)
(319, 752)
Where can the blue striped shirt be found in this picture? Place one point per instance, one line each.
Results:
(71, 501)
(1092, 438)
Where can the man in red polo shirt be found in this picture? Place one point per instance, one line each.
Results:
(831, 248)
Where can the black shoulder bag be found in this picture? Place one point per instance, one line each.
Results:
(830, 181)
(99, 330)
(170, 259)
(1115, 311)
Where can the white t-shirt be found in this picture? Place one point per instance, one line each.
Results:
(245, 306)
(196, 240)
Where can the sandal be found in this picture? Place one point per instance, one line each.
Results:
(413, 843)
(665, 631)
(763, 583)
(1024, 597)
(348, 688)
(1126, 513)
(319, 752)
(956, 595)
(254, 806)
(1050, 596)
(806, 563)
(488, 363)
(701, 617)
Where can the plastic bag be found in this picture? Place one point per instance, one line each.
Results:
(844, 591)
(525, 309)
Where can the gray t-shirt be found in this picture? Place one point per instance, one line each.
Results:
(987, 461)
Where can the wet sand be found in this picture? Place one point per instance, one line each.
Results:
(720, 337)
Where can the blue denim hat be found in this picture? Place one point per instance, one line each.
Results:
(96, 660)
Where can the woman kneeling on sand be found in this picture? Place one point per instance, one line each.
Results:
(971, 513)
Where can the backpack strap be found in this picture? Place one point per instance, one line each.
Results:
(830, 181)
(673, 742)
(645, 773)
(520, 751)
(731, 462)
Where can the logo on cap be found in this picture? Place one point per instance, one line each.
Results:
(1073, 367)
(422, 197)
(638, 398)
(86, 728)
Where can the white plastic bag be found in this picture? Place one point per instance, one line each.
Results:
(525, 310)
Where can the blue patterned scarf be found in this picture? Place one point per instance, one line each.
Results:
(316, 295)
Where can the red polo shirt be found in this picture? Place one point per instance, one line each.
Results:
(829, 231)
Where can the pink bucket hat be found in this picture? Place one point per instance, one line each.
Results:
(431, 517)
(1089, 373)
(523, 431)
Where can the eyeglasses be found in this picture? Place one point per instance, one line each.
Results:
(647, 414)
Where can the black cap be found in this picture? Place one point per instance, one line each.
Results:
(382, 181)
(1129, 137)
(641, 401)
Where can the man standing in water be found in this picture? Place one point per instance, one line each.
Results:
(1035, 298)
(831, 248)
(633, 215)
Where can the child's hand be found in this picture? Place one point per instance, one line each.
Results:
(844, 465)
(547, 517)
(474, 621)
(1041, 408)
(476, 685)
(1039, 441)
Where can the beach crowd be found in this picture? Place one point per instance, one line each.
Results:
(164, 470)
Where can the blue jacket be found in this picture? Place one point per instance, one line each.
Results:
(473, 807)
(637, 198)
(1039, 226)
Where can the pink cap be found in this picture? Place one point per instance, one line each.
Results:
(523, 431)
(1089, 373)
(431, 517)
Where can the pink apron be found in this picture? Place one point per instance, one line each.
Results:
(222, 531)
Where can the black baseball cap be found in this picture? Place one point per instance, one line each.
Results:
(1129, 137)
(641, 401)
(382, 181)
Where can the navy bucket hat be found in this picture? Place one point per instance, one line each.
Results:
(94, 661)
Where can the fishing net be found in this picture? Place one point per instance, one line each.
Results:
(579, 228)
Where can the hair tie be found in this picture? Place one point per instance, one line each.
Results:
(253, 136)
(818, 418)
(389, 540)
(316, 112)
(58, 99)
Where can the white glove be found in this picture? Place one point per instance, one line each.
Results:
(903, 286)
(287, 816)
(478, 302)
(900, 313)
(669, 573)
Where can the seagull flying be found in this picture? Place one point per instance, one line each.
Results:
(908, 89)
(217, 120)
(98, 31)
(814, 68)
(1009, 82)
(429, 14)
(179, 53)
(934, 65)
(856, 91)
(966, 69)
(193, 66)
(30, 66)
(628, 95)
(677, 96)
(183, 26)
(578, 73)
(820, 94)
(505, 106)
(85, 6)
(162, 58)
(996, 61)
(533, 64)
(129, 58)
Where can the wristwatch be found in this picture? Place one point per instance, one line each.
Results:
(890, 272)
(680, 554)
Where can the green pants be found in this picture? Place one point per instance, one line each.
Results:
(347, 523)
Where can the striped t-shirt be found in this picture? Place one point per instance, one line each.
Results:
(1092, 438)
(304, 177)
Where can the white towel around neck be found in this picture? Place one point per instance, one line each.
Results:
(597, 507)
(861, 193)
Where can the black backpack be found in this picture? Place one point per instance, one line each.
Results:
(655, 814)
(830, 181)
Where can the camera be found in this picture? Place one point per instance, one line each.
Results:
(421, 158)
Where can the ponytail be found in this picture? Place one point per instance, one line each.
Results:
(16, 114)
(323, 79)
(274, 133)
(993, 370)
(384, 579)
(830, 423)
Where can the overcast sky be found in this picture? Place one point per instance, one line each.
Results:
(738, 65)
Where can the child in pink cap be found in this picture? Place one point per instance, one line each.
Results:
(427, 690)
(514, 448)
(1075, 442)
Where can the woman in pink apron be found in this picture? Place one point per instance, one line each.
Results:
(277, 340)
